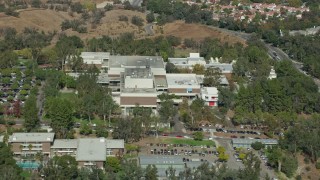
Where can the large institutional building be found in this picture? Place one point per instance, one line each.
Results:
(138, 80)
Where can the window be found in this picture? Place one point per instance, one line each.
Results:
(189, 90)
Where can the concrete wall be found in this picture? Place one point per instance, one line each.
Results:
(182, 90)
(99, 164)
(138, 100)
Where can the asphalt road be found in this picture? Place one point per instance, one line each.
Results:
(148, 29)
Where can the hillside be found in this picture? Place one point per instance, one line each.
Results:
(198, 32)
(49, 20)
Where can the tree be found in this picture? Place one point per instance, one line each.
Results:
(64, 167)
(8, 167)
(101, 132)
(171, 173)
(275, 157)
(66, 47)
(30, 114)
(257, 145)
(289, 165)
(151, 172)
(113, 163)
(223, 157)
(212, 77)
(60, 112)
(17, 109)
(251, 167)
(198, 136)
(167, 110)
(36, 3)
(8, 59)
(171, 68)
(198, 69)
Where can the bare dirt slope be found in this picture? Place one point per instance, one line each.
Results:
(197, 32)
(46, 20)
(49, 20)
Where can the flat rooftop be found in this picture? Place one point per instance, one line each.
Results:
(182, 80)
(115, 143)
(95, 55)
(209, 90)
(187, 61)
(138, 73)
(225, 68)
(31, 137)
(91, 149)
(65, 143)
(136, 61)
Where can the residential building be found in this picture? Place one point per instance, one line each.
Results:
(91, 152)
(31, 143)
(246, 143)
(62, 147)
(115, 147)
(210, 96)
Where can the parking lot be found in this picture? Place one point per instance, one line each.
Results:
(15, 86)
(186, 152)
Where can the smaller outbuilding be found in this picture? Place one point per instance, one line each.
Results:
(246, 143)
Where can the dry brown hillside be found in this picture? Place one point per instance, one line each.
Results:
(198, 32)
(49, 20)
(46, 20)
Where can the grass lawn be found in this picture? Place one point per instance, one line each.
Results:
(189, 142)
(26, 174)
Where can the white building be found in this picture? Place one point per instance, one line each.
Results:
(209, 95)
(100, 59)
(272, 74)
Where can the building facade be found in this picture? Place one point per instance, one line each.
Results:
(25, 144)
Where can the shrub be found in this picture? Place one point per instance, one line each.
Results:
(85, 129)
(123, 18)
(306, 160)
(318, 165)
(308, 168)
(11, 12)
(11, 123)
(136, 20)
(198, 136)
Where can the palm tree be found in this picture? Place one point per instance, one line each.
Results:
(30, 147)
